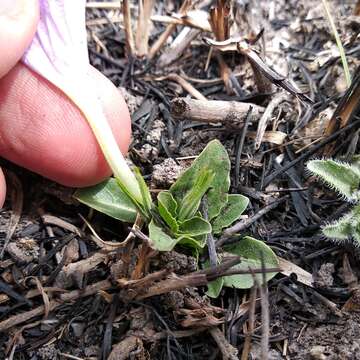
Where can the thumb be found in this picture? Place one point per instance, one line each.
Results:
(18, 21)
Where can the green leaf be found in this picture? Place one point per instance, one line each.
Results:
(160, 240)
(214, 287)
(109, 199)
(167, 201)
(343, 177)
(191, 202)
(190, 242)
(145, 193)
(250, 251)
(215, 158)
(167, 209)
(195, 226)
(341, 229)
(235, 206)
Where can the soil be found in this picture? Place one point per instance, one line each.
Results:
(59, 258)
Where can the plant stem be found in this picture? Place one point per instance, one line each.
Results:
(94, 114)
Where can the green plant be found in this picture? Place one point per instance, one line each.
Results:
(344, 178)
(58, 52)
(175, 218)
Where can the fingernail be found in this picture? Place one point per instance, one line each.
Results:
(11, 8)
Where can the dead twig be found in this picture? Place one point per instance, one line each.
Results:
(143, 27)
(178, 46)
(228, 351)
(70, 296)
(265, 316)
(187, 86)
(241, 225)
(229, 113)
(168, 31)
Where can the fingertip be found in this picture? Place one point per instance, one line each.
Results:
(42, 130)
(18, 23)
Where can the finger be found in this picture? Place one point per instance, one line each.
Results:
(42, 130)
(2, 189)
(18, 21)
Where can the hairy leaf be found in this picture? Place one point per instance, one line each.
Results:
(213, 157)
(341, 229)
(235, 206)
(343, 177)
(109, 199)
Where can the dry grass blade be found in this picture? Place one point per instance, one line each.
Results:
(187, 86)
(273, 104)
(44, 296)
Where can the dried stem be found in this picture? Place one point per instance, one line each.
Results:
(128, 28)
(143, 26)
(229, 113)
(168, 31)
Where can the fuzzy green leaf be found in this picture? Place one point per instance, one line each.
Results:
(250, 251)
(189, 205)
(235, 206)
(160, 240)
(109, 199)
(343, 177)
(339, 230)
(195, 226)
(167, 209)
(215, 158)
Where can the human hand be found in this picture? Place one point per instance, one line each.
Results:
(40, 128)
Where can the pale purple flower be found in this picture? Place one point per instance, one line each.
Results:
(58, 52)
(60, 43)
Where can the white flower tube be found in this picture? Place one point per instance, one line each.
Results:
(58, 52)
